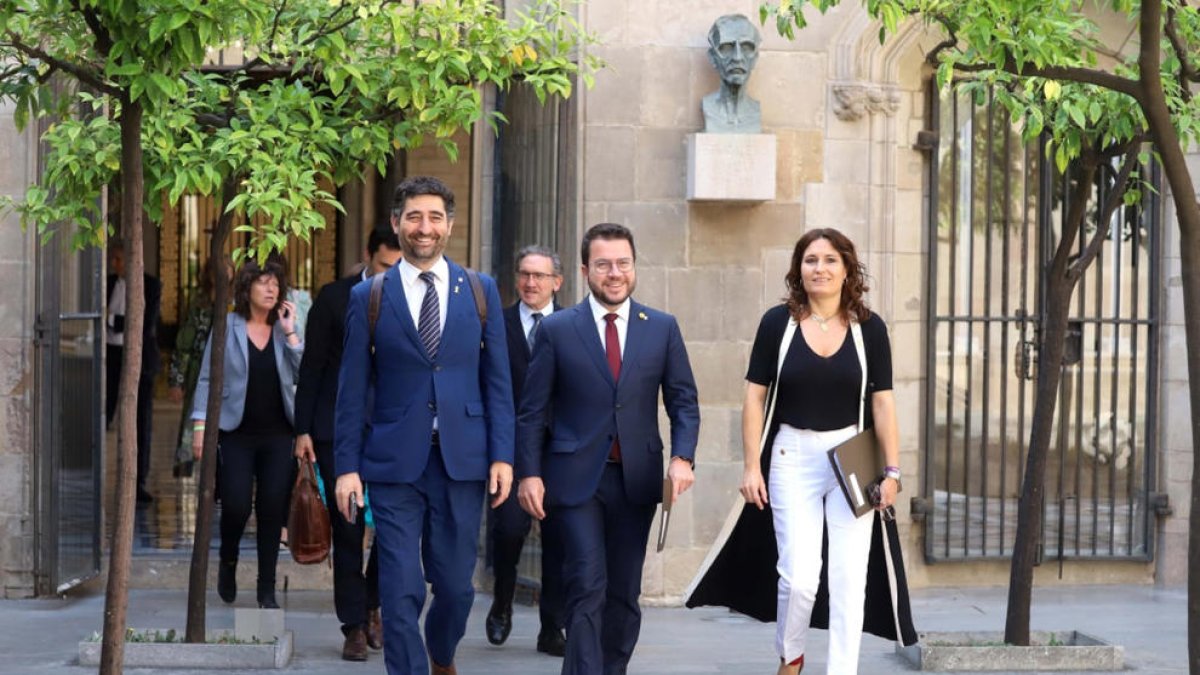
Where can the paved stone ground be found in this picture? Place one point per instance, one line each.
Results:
(39, 637)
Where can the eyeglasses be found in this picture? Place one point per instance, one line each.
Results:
(539, 277)
(606, 266)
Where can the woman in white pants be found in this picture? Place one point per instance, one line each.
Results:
(807, 356)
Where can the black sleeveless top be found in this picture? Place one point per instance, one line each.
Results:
(815, 392)
(264, 413)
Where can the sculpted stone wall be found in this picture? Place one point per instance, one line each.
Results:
(16, 368)
(843, 160)
(846, 112)
(1175, 473)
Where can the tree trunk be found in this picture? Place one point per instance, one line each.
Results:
(1029, 510)
(112, 649)
(1060, 284)
(1183, 192)
(198, 573)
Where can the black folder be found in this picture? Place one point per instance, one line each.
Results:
(858, 463)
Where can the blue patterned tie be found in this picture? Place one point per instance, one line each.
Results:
(537, 322)
(429, 325)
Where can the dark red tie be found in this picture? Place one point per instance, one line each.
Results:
(612, 349)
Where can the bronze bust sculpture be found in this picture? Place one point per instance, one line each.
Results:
(733, 44)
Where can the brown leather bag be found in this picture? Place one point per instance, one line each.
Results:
(308, 520)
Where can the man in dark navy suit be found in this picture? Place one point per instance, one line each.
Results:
(431, 380)
(589, 449)
(539, 276)
(114, 333)
(355, 594)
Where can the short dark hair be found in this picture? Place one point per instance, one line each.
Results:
(382, 235)
(543, 251)
(606, 231)
(246, 277)
(416, 186)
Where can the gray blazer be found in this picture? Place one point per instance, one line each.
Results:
(237, 359)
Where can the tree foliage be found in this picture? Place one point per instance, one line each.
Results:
(328, 87)
(132, 97)
(1046, 61)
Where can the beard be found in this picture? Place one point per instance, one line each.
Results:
(607, 297)
(423, 252)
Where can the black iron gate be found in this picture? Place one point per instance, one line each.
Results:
(996, 211)
(70, 414)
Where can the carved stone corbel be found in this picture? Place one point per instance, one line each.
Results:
(854, 100)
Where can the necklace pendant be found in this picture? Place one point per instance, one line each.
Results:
(824, 326)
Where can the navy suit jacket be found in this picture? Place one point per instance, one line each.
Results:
(468, 387)
(570, 393)
(518, 347)
(316, 394)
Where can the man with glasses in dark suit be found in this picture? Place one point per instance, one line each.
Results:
(539, 276)
(589, 453)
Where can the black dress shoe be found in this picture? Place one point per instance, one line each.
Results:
(498, 625)
(227, 580)
(551, 641)
(266, 600)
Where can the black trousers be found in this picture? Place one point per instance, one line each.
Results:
(508, 526)
(354, 593)
(258, 466)
(115, 360)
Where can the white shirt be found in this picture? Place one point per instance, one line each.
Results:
(600, 311)
(116, 307)
(414, 289)
(526, 313)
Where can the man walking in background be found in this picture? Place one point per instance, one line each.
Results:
(539, 276)
(114, 338)
(355, 594)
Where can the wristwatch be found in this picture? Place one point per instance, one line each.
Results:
(892, 472)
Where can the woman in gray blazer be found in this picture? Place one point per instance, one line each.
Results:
(262, 362)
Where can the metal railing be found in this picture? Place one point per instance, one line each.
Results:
(997, 208)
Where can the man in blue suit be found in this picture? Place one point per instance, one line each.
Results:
(440, 428)
(589, 449)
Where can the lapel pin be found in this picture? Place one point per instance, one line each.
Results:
(642, 316)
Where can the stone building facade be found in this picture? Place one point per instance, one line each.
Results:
(848, 115)
(17, 253)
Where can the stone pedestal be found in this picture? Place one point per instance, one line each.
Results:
(264, 625)
(731, 167)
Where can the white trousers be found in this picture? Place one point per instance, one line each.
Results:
(805, 496)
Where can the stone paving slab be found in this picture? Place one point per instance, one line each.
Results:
(40, 637)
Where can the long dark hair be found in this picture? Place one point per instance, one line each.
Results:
(247, 275)
(854, 307)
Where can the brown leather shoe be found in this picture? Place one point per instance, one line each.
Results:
(443, 670)
(355, 647)
(374, 629)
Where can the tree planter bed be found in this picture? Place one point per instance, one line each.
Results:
(986, 651)
(213, 654)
